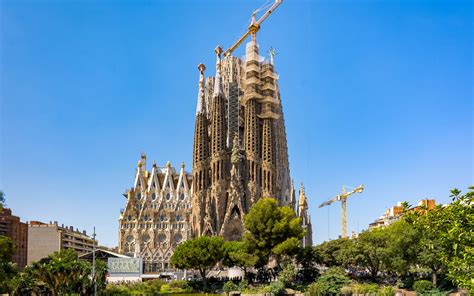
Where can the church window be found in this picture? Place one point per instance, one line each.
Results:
(168, 196)
(179, 218)
(182, 196)
(129, 218)
(129, 238)
(139, 195)
(153, 196)
(163, 217)
(146, 238)
(161, 237)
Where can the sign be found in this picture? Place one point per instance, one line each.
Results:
(125, 266)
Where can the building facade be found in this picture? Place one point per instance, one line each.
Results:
(305, 217)
(240, 149)
(17, 231)
(46, 238)
(395, 212)
(156, 214)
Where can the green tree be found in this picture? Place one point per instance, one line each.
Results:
(7, 268)
(329, 283)
(236, 254)
(271, 231)
(288, 275)
(201, 254)
(448, 238)
(401, 248)
(2, 200)
(369, 251)
(332, 253)
(307, 260)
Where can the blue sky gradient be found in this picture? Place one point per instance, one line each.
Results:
(374, 92)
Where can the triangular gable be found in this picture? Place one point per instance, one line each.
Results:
(154, 182)
(168, 181)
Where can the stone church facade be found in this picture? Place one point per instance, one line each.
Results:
(240, 150)
(156, 215)
(240, 155)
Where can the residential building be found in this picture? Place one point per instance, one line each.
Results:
(47, 238)
(11, 227)
(395, 212)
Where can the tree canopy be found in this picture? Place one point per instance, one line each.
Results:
(201, 254)
(271, 231)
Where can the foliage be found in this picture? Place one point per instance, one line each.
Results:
(7, 268)
(288, 275)
(236, 254)
(276, 288)
(60, 273)
(448, 238)
(177, 286)
(329, 283)
(365, 288)
(243, 284)
(422, 286)
(271, 231)
(153, 287)
(2, 199)
(230, 286)
(386, 291)
(306, 260)
(201, 253)
(330, 253)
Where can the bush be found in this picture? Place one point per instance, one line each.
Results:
(331, 282)
(386, 291)
(288, 275)
(244, 284)
(347, 290)
(230, 286)
(277, 288)
(422, 286)
(365, 288)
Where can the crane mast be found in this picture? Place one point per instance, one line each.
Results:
(254, 27)
(343, 199)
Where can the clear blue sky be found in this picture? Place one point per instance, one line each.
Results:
(374, 92)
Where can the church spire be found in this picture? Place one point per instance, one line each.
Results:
(218, 80)
(201, 108)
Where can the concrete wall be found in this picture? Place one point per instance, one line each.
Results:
(42, 241)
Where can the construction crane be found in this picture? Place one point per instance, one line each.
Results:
(343, 199)
(254, 26)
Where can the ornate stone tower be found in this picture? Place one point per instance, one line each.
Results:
(240, 151)
(305, 218)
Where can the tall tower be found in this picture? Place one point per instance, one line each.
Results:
(219, 152)
(302, 213)
(247, 155)
(200, 160)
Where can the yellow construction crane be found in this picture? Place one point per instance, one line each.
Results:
(254, 26)
(343, 199)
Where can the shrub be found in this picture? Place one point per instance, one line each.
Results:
(365, 289)
(244, 284)
(230, 286)
(386, 291)
(331, 282)
(422, 286)
(347, 290)
(288, 275)
(277, 288)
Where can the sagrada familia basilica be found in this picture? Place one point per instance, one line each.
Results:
(240, 155)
